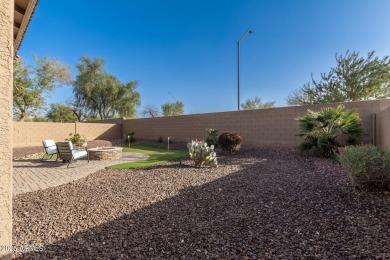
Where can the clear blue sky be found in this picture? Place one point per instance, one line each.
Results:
(189, 48)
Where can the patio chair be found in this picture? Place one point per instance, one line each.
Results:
(50, 148)
(67, 154)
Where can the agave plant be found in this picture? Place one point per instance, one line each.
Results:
(212, 137)
(321, 129)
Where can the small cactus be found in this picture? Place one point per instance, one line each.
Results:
(202, 154)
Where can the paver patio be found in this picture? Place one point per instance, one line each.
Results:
(32, 174)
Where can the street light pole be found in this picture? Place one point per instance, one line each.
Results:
(238, 67)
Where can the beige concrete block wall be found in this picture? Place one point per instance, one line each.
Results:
(32, 133)
(383, 128)
(117, 121)
(6, 84)
(91, 131)
(268, 127)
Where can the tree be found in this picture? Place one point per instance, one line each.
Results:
(101, 93)
(61, 113)
(150, 111)
(80, 109)
(36, 119)
(354, 78)
(255, 103)
(32, 84)
(172, 109)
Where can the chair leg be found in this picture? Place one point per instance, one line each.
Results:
(70, 162)
(55, 161)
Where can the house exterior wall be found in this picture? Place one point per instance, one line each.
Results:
(6, 84)
(266, 127)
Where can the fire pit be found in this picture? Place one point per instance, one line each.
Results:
(105, 153)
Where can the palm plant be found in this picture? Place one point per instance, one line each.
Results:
(321, 129)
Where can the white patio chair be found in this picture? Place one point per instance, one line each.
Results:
(50, 148)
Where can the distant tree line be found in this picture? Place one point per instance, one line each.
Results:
(100, 95)
(96, 93)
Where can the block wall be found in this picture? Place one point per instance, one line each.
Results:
(268, 127)
(32, 133)
(383, 128)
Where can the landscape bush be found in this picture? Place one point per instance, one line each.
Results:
(367, 166)
(212, 137)
(130, 135)
(76, 138)
(230, 142)
(321, 129)
(202, 154)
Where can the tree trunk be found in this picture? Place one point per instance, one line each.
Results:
(22, 116)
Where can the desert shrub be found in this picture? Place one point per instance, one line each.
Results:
(212, 137)
(321, 129)
(130, 135)
(75, 138)
(367, 166)
(202, 154)
(230, 142)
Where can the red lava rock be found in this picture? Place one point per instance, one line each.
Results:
(290, 206)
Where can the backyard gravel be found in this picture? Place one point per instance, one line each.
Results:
(263, 203)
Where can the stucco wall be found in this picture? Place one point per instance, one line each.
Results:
(32, 133)
(6, 83)
(268, 127)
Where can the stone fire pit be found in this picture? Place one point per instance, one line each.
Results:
(105, 153)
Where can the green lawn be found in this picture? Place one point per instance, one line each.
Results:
(157, 156)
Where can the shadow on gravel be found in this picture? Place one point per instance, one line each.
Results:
(285, 208)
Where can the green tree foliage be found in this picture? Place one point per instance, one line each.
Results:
(354, 78)
(36, 119)
(33, 84)
(103, 94)
(172, 109)
(255, 103)
(320, 129)
(61, 113)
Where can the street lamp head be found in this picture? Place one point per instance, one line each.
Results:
(250, 31)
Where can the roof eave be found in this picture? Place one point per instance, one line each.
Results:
(24, 25)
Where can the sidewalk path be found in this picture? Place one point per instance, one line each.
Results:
(32, 174)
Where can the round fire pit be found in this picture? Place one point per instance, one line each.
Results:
(105, 153)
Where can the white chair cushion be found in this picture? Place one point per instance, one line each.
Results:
(50, 146)
(49, 143)
(77, 154)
